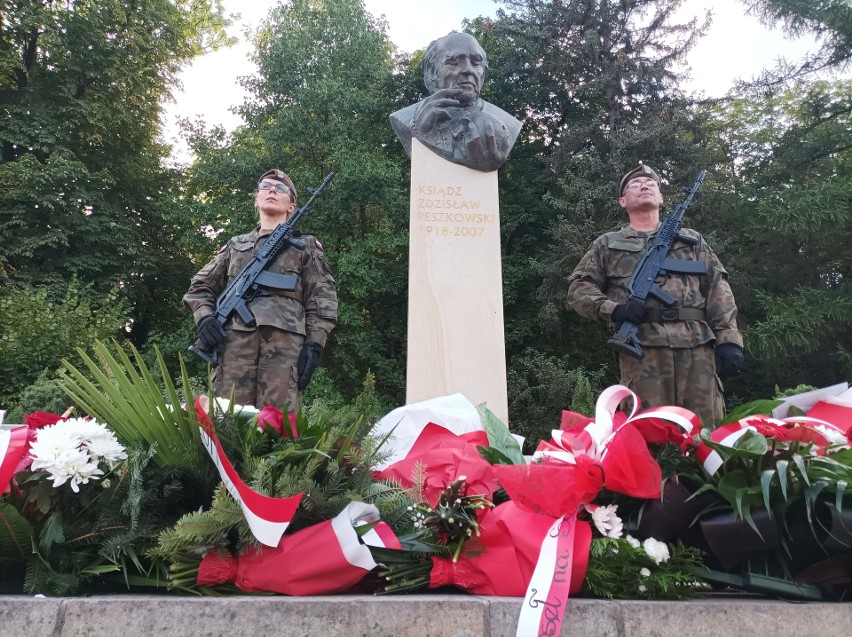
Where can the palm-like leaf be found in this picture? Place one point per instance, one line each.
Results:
(124, 395)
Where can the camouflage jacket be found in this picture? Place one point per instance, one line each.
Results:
(599, 283)
(310, 309)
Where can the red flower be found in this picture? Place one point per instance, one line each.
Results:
(40, 419)
(272, 419)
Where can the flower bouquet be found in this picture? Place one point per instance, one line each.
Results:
(768, 499)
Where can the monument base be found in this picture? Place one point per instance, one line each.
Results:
(455, 284)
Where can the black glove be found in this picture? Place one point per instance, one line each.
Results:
(729, 359)
(632, 310)
(211, 332)
(309, 360)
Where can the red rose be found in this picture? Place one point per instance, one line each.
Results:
(40, 419)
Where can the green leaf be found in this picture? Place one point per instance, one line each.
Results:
(494, 456)
(499, 436)
(750, 445)
(754, 408)
(15, 534)
(52, 532)
(766, 478)
(800, 464)
(741, 490)
(781, 466)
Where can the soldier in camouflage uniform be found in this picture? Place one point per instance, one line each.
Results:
(272, 361)
(687, 349)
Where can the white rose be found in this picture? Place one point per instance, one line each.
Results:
(657, 551)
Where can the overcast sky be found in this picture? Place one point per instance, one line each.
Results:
(737, 47)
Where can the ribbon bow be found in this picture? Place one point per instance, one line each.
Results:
(799, 428)
(610, 450)
(618, 441)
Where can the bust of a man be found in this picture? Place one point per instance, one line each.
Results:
(453, 121)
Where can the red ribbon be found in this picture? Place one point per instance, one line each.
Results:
(267, 517)
(14, 444)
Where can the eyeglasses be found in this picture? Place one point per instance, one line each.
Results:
(638, 183)
(279, 187)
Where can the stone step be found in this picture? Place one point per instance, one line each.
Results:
(402, 615)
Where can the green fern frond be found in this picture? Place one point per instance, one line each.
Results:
(16, 535)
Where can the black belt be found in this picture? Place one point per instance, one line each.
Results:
(669, 314)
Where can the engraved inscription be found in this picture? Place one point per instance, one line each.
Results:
(444, 210)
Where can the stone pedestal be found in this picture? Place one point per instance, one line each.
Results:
(455, 285)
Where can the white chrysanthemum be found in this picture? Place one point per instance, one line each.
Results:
(103, 445)
(644, 572)
(100, 441)
(73, 465)
(71, 451)
(52, 443)
(657, 551)
(632, 541)
(642, 588)
(606, 521)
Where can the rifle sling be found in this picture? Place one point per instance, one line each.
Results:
(668, 315)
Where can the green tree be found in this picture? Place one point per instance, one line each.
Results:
(81, 183)
(830, 21)
(82, 189)
(40, 329)
(789, 158)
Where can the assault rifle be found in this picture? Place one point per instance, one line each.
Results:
(654, 263)
(253, 280)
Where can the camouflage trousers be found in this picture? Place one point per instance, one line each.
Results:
(682, 377)
(260, 367)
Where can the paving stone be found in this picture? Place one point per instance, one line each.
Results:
(24, 615)
(435, 615)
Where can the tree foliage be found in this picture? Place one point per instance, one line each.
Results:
(82, 190)
(596, 86)
(830, 21)
(789, 154)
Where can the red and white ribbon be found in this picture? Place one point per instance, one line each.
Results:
(354, 551)
(592, 441)
(728, 435)
(14, 442)
(547, 593)
(267, 517)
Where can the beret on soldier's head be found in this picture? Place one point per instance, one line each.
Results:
(279, 175)
(640, 171)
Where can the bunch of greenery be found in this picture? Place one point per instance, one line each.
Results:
(56, 542)
(125, 394)
(762, 471)
(619, 569)
(46, 324)
(330, 464)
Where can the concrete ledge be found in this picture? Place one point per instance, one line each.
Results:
(415, 615)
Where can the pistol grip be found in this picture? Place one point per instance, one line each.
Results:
(211, 359)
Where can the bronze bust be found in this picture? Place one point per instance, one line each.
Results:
(453, 121)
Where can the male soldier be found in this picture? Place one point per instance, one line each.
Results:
(272, 361)
(685, 352)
